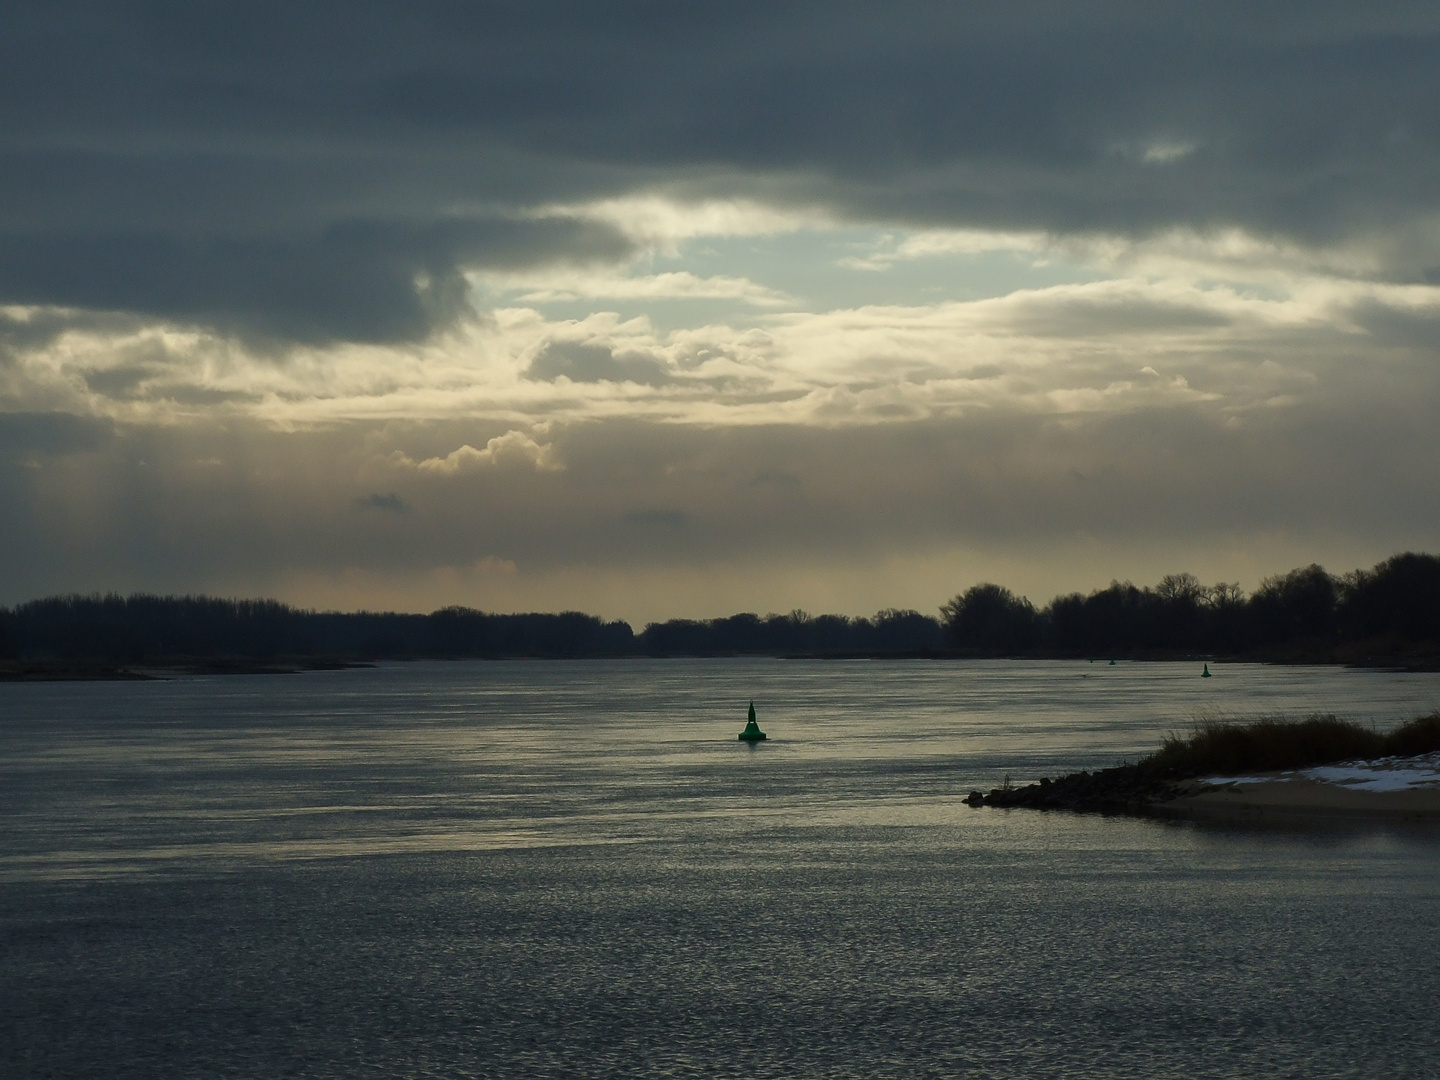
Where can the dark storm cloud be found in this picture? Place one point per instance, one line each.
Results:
(294, 169)
(376, 281)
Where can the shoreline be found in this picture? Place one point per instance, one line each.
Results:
(33, 671)
(53, 670)
(1391, 788)
(1282, 797)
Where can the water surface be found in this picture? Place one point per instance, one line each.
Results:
(575, 869)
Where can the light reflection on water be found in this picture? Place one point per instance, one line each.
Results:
(499, 869)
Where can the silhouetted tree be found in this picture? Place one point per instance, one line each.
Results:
(1176, 614)
(457, 631)
(905, 630)
(797, 633)
(1397, 601)
(1228, 627)
(991, 618)
(1109, 620)
(1300, 604)
(1400, 597)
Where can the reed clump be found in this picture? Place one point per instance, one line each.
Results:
(1271, 744)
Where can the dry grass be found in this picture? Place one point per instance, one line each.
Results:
(1270, 744)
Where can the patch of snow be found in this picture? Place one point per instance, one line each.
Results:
(1381, 774)
(1220, 781)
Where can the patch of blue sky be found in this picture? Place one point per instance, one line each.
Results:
(1249, 290)
(826, 269)
(811, 270)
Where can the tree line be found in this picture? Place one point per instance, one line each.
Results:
(1307, 613)
(155, 629)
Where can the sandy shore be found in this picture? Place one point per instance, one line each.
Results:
(1389, 787)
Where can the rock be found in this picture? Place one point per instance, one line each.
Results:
(1125, 789)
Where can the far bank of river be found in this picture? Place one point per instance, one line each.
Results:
(1385, 656)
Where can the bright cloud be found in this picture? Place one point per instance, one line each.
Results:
(661, 222)
(550, 286)
(1071, 346)
(1167, 151)
(938, 243)
(952, 273)
(512, 448)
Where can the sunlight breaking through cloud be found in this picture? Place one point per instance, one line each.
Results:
(570, 291)
(1058, 348)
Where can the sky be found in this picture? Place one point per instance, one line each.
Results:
(661, 310)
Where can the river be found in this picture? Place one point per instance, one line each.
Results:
(524, 869)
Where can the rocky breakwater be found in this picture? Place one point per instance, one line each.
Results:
(1125, 789)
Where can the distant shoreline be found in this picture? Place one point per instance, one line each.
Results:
(1386, 617)
(31, 671)
(49, 669)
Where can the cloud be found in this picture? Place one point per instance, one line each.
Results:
(390, 503)
(566, 284)
(356, 280)
(492, 565)
(1166, 152)
(335, 177)
(53, 433)
(580, 362)
(661, 220)
(1041, 349)
(655, 521)
(1137, 275)
(649, 519)
(936, 243)
(512, 448)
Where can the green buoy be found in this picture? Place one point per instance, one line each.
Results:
(752, 732)
(1206, 673)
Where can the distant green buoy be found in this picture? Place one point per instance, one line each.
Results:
(1206, 673)
(1112, 663)
(752, 732)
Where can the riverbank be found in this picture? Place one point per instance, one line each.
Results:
(1265, 769)
(95, 671)
(1276, 796)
